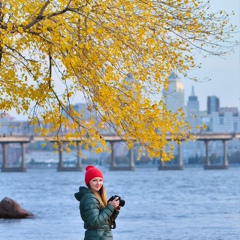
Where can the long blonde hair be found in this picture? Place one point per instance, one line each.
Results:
(101, 195)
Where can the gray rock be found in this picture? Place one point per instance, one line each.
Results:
(11, 209)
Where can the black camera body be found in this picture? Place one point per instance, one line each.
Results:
(121, 201)
(112, 222)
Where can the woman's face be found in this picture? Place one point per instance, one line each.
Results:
(96, 184)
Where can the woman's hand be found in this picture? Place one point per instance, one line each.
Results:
(118, 208)
(115, 203)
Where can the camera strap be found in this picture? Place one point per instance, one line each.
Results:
(112, 223)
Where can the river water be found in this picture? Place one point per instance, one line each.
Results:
(193, 204)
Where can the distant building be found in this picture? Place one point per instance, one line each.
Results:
(212, 104)
(206, 120)
(17, 128)
(225, 120)
(193, 111)
(174, 96)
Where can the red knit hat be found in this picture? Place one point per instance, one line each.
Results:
(92, 172)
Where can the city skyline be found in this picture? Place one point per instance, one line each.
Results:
(188, 86)
(223, 72)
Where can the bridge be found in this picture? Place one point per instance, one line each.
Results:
(206, 137)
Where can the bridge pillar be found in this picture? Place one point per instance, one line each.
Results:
(61, 167)
(60, 155)
(207, 160)
(79, 158)
(22, 167)
(180, 161)
(113, 165)
(179, 165)
(4, 147)
(131, 160)
(224, 165)
(161, 163)
(113, 160)
(23, 164)
(225, 159)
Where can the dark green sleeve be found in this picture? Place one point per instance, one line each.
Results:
(96, 216)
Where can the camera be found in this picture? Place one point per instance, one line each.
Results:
(121, 201)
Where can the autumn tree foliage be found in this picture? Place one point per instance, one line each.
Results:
(116, 53)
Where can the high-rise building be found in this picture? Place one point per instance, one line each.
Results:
(226, 120)
(212, 104)
(174, 96)
(193, 111)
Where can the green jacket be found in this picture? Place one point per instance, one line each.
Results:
(96, 219)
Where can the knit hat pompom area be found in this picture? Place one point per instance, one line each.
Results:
(92, 172)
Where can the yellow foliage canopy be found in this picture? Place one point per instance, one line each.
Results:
(90, 47)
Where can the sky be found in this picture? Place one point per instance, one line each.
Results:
(224, 73)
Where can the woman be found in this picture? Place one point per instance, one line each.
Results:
(97, 213)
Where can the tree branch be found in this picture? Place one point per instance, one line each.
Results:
(39, 16)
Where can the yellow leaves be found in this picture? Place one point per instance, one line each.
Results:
(98, 150)
(89, 107)
(47, 60)
(44, 131)
(20, 30)
(9, 26)
(68, 149)
(89, 30)
(55, 145)
(44, 144)
(151, 41)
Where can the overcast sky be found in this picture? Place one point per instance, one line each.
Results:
(224, 73)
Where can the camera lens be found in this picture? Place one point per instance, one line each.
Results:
(121, 203)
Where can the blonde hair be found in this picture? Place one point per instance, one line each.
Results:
(101, 195)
